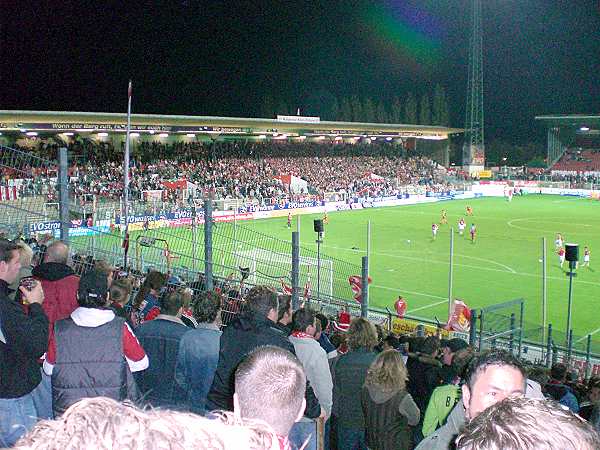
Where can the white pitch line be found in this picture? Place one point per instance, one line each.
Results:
(585, 337)
(412, 258)
(510, 269)
(404, 290)
(511, 224)
(523, 274)
(427, 306)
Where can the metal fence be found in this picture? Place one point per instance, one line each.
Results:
(36, 199)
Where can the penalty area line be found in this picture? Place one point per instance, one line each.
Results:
(426, 306)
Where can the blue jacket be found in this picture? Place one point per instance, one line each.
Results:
(197, 362)
(160, 339)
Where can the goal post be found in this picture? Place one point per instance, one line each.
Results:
(267, 266)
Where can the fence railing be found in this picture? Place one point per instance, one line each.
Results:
(35, 206)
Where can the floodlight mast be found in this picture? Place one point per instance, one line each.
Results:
(474, 146)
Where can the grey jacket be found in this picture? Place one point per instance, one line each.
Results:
(444, 437)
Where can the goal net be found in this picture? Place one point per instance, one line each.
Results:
(268, 267)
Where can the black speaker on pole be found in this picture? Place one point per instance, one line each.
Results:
(572, 252)
(318, 225)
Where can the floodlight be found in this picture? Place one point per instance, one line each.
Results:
(134, 134)
(163, 135)
(68, 134)
(31, 133)
(190, 135)
(584, 129)
(102, 134)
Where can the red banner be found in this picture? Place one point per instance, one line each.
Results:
(356, 286)
(460, 317)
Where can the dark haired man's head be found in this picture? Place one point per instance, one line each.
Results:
(269, 386)
(324, 321)
(430, 346)
(492, 376)
(558, 372)
(263, 301)
(304, 320)
(10, 263)
(171, 303)
(206, 307)
(284, 312)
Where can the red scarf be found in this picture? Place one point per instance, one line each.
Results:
(302, 335)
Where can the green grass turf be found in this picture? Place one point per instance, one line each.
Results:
(503, 263)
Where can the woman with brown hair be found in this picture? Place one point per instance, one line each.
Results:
(145, 304)
(389, 409)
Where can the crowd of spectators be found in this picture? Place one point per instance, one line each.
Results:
(241, 170)
(81, 352)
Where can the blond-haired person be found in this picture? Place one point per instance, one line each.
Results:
(390, 411)
(349, 372)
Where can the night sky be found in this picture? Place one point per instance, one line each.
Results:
(223, 57)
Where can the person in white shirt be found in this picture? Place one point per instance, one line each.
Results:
(312, 356)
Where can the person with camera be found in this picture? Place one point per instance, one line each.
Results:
(23, 340)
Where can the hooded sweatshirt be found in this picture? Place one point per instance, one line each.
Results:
(60, 286)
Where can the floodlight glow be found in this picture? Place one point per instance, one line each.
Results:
(84, 130)
(68, 134)
(163, 135)
(373, 138)
(584, 129)
(31, 133)
(134, 134)
(190, 135)
(262, 136)
(338, 138)
(22, 130)
(151, 131)
(102, 134)
(388, 138)
(302, 137)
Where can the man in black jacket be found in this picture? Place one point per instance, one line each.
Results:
(23, 339)
(244, 334)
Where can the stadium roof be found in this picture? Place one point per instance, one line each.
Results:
(293, 126)
(572, 120)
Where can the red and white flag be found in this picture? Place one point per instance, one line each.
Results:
(460, 317)
(400, 306)
(356, 286)
(307, 289)
(8, 193)
(287, 289)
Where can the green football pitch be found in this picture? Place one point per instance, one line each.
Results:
(504, 263)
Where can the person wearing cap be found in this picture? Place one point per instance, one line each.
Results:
(92, 352)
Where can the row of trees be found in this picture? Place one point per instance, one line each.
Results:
(429, 109)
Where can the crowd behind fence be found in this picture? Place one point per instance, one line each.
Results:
(241, 257)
